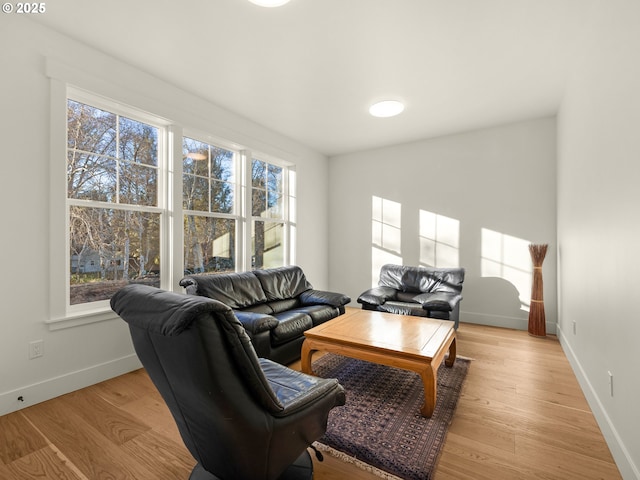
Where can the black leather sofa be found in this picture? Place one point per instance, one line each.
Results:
(241, 417)
(275, 306)
(420, 291)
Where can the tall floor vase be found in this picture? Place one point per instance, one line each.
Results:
(537, 320)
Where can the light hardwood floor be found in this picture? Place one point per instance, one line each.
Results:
(521, 415)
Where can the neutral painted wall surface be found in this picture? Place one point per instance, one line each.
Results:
(79, 356)
(599, 225)
(496, 192)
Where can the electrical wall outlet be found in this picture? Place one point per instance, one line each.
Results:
(36, 349)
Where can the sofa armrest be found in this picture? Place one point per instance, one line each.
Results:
(319, 297)
(256, 322)
(190, 285)
(377, 295)
(440, 301)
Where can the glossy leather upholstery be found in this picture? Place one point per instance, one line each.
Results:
(241, 417)
(275, 306)
(419, 291)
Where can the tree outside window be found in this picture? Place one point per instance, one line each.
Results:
(112, 198)
(208, 200)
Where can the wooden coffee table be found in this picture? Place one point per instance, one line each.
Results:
(412, 343)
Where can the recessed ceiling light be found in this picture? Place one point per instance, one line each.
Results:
(269, 3)
(387, 108)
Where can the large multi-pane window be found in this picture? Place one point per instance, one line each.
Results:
(113, 180)
(210, 207)
(236, 209)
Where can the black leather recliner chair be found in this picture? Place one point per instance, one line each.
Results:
(241, 417)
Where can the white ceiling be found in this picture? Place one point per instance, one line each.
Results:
(310, 69)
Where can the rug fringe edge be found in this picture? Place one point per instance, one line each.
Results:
(358, 463)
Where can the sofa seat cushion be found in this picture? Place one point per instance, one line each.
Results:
(319, 313)
(406, 297)
(279, 306)
(291, 325)
(404, 308)
(258, 308)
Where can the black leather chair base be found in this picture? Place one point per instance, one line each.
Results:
(301, 469)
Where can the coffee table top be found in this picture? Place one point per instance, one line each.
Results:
(407, 335)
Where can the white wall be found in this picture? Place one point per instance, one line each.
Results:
(599, 225)
(501, 179)
(76, 357)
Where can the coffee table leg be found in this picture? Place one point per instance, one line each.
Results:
(452, 354)
(305, 357)
(430, 387)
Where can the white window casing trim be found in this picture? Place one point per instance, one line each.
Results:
(61, 314)
(111, 95)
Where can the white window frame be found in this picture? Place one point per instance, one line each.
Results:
(239, 197)
(63, 314)
(288, 197)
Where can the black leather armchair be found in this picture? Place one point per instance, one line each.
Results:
(241, 417)
(419, 291)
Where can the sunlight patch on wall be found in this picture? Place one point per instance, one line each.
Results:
(508, 258)
(439, 240)
(386, 235)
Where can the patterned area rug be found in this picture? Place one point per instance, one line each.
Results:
(380, 428)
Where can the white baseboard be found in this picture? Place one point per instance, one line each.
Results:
(502, 321)
(628, 469)
(69, 382)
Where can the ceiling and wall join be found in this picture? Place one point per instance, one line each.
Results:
(310, 69)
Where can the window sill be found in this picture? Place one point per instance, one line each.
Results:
(80, 319)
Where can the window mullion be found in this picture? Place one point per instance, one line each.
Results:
(174, 233)
(118, 159)
(246, 218)
(285, 215)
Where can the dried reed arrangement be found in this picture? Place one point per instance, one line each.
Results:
(537, 321)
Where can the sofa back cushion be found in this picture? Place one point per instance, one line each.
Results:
(237, 290)
(421, 279)
(282, 283)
